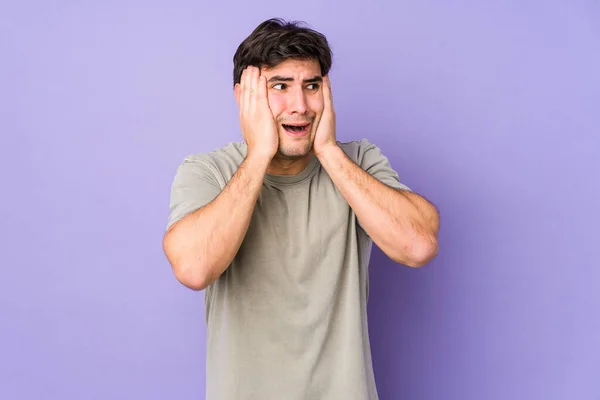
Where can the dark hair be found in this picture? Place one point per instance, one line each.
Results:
(275, 41)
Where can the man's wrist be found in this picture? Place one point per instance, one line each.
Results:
(325, 152)
(257, 161)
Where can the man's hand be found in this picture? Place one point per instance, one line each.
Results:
(325, 135)
(256, 119)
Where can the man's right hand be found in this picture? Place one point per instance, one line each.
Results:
(217, 229)
(256, 119)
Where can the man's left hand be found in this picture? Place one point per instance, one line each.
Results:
(325, 135)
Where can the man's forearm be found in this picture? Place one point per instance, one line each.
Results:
(403, 224)
(202, 245)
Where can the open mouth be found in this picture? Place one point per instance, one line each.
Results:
(296, 129)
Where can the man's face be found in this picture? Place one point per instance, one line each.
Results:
(296, 101)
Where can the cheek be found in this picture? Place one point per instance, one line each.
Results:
(316, 103)
(276, 103)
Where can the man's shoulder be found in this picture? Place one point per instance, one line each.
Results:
(232, 151)
(356, 149)
(220, 159)
(218, 165)
(356, 144)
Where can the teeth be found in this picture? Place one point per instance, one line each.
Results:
(294, 128)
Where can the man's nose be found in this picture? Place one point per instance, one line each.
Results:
(297, 102)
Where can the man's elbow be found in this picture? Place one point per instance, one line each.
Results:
(418, 254)
(190, 274)
(192, 278)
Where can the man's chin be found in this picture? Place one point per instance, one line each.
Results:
(295, 152)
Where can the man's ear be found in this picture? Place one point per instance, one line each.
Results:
(237, 91)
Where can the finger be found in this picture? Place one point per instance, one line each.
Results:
(242, 97)
(261, 91)
(327, 96)
(246, 89)
(253, 86)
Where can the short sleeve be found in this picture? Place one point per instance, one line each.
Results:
(195, 184)
(373, 161)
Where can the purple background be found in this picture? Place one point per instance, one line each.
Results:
(489, 109)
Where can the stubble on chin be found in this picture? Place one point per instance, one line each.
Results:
(293, 151)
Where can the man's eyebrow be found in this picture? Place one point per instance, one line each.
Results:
(315, 79)
(279, 78)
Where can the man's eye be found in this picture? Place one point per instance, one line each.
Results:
(279, 86)
(313, 86)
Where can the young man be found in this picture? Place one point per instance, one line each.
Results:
(278, 229)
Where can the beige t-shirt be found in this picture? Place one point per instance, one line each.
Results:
(288, 319)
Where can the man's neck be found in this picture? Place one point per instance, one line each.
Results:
(288, 166)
